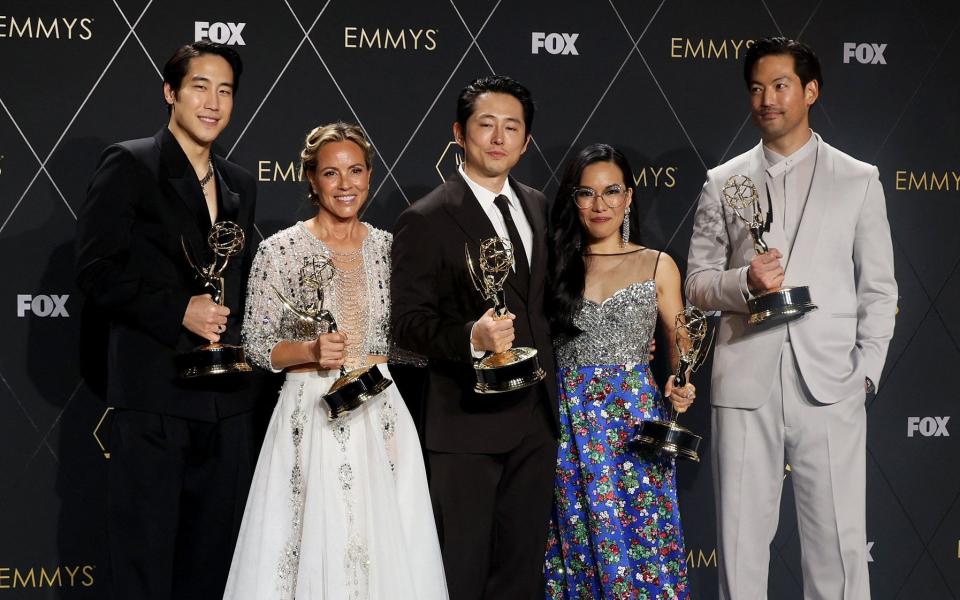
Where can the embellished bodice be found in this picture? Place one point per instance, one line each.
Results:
(617, 331)
(363, 305)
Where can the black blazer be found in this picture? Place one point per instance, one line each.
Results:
(130, 263)
(435, 306)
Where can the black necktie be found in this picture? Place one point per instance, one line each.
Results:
(519, 254)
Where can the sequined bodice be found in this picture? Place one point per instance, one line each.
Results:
(616, 331)
(359, 300)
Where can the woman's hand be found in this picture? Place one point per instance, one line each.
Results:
(682, 397)
(328, 350)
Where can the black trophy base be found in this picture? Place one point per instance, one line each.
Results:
(666, 437)
(354, 388)
(514, 369)
(212, 359)
(780, 306)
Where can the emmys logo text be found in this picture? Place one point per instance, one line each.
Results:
(221, 33)
(42, 305)
(58, 577)
(56, 28)
(385, 38)
(554, 43)
(865, 54)
(656, 177)
(927, 181)
(928, 426)
(696, 559)
(708, 49)
(271, 170)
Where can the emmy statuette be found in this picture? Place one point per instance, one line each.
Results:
(518, 367)
(775, 306)
(226, 240)
(666, 437)
(354, 387)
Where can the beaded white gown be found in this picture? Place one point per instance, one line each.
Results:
(337, 509)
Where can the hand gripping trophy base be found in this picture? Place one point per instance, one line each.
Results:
(666, 437)
(776, 306)
(226, 239)
(512, 369)
(352, 388)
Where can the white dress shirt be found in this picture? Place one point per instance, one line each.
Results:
(790, 178)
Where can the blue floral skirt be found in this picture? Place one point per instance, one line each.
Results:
(615, 531)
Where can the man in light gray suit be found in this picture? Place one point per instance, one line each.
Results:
(794, 392)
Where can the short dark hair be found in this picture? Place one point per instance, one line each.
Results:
(498, 84)
(805, 62)
(178, 65)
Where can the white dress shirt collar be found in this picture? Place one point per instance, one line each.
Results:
(777, 164)
(485, 196)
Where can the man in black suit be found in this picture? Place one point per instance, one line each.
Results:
(181, 454)
(490, 457)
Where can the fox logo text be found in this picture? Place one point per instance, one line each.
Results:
(865, 54)
(42, 305)
(554, 43)
(221, 33)
(928, 426)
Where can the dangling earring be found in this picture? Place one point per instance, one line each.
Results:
(625, 228)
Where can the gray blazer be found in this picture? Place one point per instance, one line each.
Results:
(842, 251)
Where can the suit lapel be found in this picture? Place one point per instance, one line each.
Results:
(229, 208)
(811, 220)
(184, 181)
(464, 207)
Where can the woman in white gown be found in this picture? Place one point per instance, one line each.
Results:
(338, 509)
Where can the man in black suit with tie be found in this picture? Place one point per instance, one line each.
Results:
(181, 454)
(490, 457)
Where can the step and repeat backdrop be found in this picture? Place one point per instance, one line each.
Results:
(660, 79)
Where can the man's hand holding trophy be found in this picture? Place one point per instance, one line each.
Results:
(770, 303)
(226, 240)
(510, 368)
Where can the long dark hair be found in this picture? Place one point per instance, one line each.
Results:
(566, 276)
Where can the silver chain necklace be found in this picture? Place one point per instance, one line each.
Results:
(206, 178)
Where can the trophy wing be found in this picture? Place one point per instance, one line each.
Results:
(477, 282)
(189, 256)
(291, 306)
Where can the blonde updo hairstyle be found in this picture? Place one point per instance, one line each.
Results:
(325, 134)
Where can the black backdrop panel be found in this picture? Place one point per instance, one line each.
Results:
(661, 79)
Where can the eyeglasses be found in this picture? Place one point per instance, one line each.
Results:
(613, 196)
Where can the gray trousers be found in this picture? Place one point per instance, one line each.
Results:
(825, 446)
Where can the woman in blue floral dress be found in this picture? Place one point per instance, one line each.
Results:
(615, 531)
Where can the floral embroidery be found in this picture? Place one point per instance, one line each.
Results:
(616, 530)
